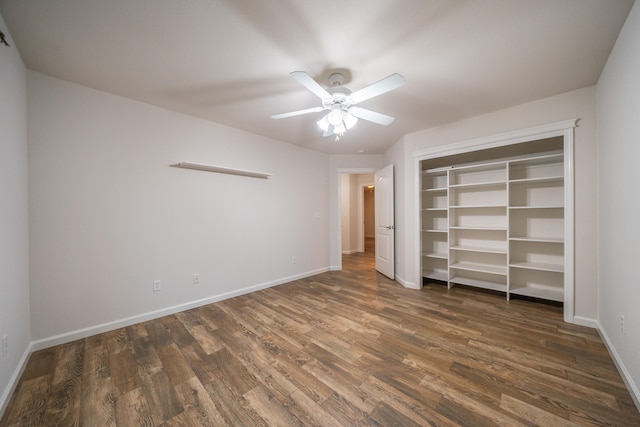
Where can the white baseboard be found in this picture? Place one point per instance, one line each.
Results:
(13, 381)
(406, 284)
(586, 321)
(352, 251)
(624, 373)
(121, 323)
(617, 360)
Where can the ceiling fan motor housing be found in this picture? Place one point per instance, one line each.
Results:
(339, 96)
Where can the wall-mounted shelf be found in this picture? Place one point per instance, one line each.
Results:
(220, 169)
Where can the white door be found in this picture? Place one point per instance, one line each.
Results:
(385, 226)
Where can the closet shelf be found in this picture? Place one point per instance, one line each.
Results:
(546, 179)
(544, 292)
(537, 207)
(556, 268)
(436, 275)
(435, 255)
(220, 169)
(487, 250)
(456, 227)
(537, 239)
(503, 206)
(485, 284)
(480, 268)
(485, 184)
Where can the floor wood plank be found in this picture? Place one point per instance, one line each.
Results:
(340, 348)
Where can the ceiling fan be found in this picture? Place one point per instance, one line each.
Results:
(342, 104)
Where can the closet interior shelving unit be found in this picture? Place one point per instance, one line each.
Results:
(496, 225)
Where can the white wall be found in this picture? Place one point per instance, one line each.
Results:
(618, 97)
(575, 104)
(108, 214)
(14, 235)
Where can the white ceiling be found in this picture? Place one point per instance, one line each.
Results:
(229, 61)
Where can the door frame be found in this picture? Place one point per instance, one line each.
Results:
(566, 130)
(338, 230)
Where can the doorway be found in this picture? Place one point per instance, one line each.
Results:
(369, 198)
(357, 213)
(350, 230)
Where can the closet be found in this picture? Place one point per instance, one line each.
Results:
(495, 219)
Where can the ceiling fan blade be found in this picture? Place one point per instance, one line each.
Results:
(385, 85)
(297, 113)
(305, 80)
(372, 116)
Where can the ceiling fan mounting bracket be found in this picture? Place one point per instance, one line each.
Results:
(336, 79)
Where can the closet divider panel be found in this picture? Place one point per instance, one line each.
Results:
(434, 224)
(477, 222)
(536, 227)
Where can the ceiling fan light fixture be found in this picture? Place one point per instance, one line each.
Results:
(337, 120)
(335, 117)
(349, 120)
(323, 123)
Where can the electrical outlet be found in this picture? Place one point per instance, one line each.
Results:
(622, 324)
(196, 279)
(5, 345)
(157, 285)
(293, 260)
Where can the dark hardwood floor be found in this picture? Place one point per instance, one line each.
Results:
(340, 348)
